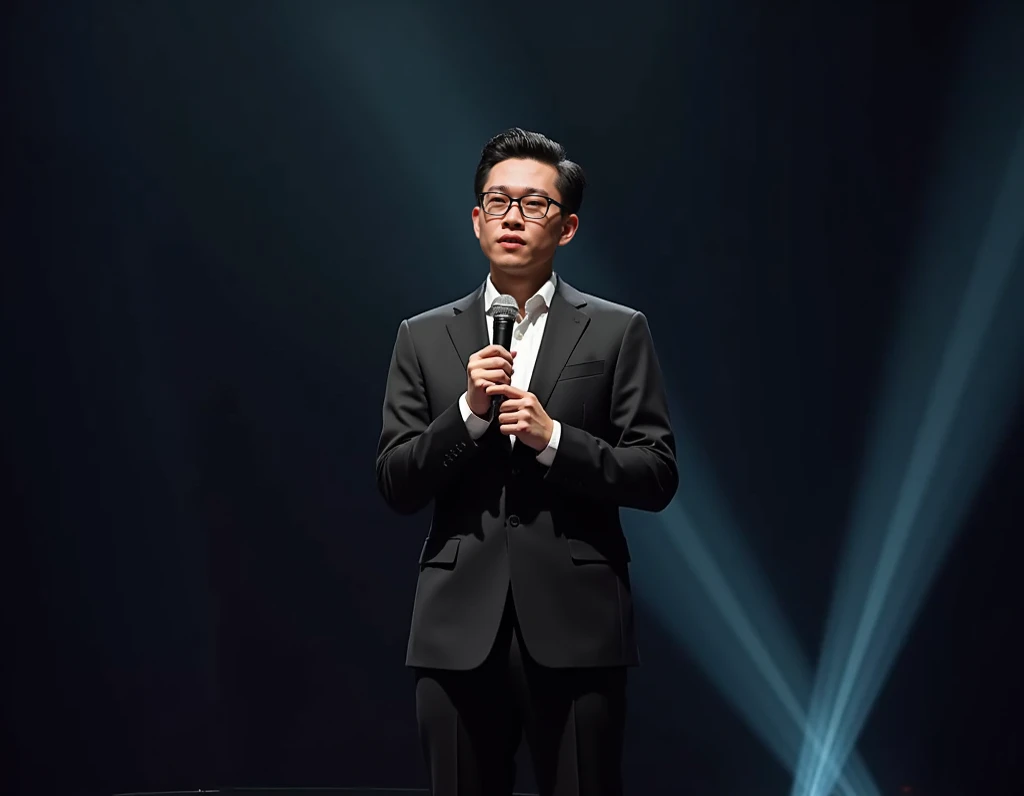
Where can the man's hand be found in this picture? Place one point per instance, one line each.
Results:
(522, 416)
(488, 367)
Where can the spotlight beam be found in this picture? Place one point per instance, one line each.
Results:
(991, 274)
(756, 664)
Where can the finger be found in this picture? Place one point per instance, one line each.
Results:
(505, 389)
(504, 355)
(481, 369)
(493, 351)
(493, 378)
(509, 417)
(519, 427)
(491, 364)
(496, 363)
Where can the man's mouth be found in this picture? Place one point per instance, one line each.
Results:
(511, 242)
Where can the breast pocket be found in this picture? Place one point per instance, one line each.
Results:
(579, 396)
(581, 370)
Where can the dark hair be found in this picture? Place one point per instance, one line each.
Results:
(517, 143)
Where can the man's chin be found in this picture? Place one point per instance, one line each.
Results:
(508, 265)
(512, 261)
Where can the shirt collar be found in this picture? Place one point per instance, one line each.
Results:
(542, 298)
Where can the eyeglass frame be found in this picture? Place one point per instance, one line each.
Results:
(519, 201)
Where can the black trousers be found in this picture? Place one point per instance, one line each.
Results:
(471, 723)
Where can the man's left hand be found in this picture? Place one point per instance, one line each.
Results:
(522, 416)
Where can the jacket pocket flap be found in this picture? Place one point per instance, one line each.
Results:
(582, 550)
(581, 369)
(440, 552)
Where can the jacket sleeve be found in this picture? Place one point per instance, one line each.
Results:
(417, 458)
(640, 470)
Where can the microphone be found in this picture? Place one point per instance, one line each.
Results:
(505, 310)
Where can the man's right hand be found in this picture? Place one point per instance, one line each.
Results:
(490, 365)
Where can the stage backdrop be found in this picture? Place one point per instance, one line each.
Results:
(217, 215)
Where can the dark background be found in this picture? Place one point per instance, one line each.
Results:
(217, 213)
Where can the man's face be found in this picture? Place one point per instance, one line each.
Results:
(515, 244)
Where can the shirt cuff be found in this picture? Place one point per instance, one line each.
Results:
(475, 425)
(547, 456)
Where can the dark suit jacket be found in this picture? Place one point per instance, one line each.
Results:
(498, 514)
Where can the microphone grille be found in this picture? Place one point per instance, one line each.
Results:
(505, 307)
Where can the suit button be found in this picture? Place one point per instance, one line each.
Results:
(513, 520)
(516, 471)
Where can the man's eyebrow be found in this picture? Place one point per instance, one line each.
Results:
(526, 191)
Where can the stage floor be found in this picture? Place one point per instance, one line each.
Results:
(294, 792)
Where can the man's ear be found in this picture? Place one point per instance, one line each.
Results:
(570, 224)
(476, 221)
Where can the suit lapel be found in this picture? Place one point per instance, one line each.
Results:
(565, 325)
(562, 331)
(468, 329)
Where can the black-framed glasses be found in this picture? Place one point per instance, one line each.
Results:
(533, 205)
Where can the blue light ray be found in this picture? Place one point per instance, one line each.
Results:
(902, 548)
(730, 623)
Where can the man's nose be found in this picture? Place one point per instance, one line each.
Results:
(516, 220)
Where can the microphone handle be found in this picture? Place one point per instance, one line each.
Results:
(502, 336)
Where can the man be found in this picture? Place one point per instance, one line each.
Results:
(523, 616)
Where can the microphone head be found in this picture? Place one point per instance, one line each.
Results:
(505, 306)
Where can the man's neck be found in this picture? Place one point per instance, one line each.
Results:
(522, 290)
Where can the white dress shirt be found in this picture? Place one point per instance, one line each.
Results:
(526, 336)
